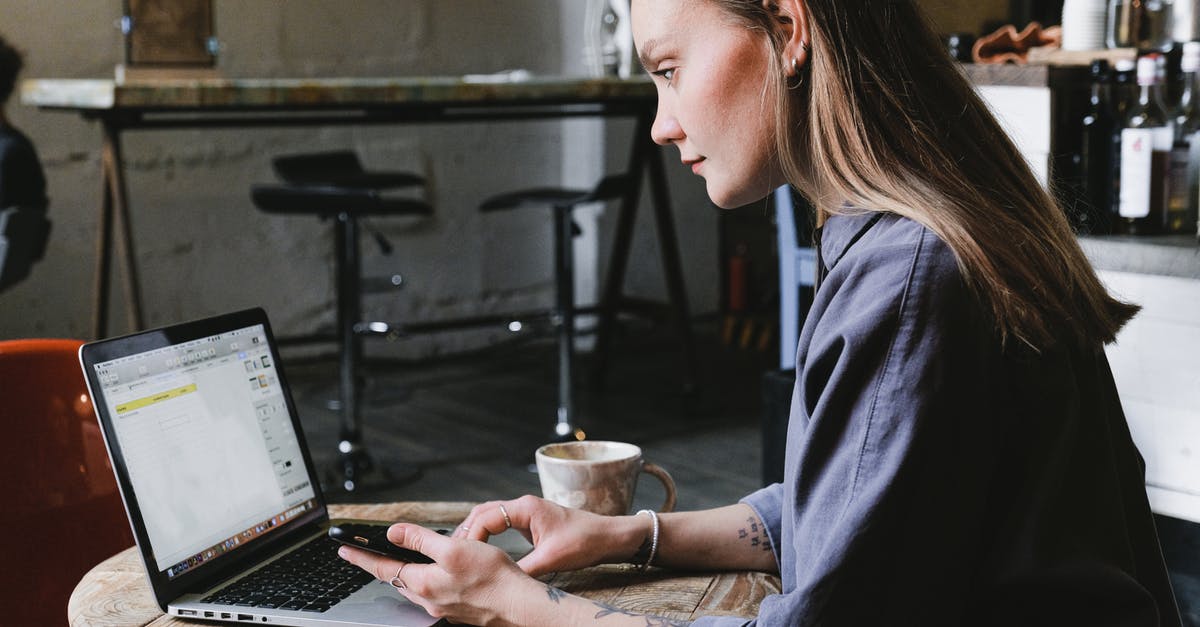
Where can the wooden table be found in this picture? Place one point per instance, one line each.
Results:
(115, 592)
(249, 103)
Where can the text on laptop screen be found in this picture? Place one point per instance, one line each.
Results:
(212, 455)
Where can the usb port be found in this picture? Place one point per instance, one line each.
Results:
(208, 615)
(226, 615)
(245, 617)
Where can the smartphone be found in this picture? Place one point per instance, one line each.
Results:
(374, 538)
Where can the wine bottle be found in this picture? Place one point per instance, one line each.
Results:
(1185, 153)
(1122, 93)
(1096, 155)
(1146, 140)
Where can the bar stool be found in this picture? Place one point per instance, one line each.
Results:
(562, 202)
(333, 185)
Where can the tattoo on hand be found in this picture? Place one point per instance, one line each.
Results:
(651, 621)
(756, 533)
(555, 594)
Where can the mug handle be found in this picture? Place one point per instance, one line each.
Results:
(667, 481)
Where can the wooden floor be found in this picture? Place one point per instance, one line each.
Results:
(470, 423)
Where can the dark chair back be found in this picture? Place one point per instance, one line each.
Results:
(62, 511)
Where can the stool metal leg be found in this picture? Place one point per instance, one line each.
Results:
(564, 271)
(354, 457)
(355, 461)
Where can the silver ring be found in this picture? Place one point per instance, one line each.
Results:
(396, 582)
(507, 520)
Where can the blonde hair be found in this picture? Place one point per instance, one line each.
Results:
(882, 119)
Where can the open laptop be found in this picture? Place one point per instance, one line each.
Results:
(217, 480)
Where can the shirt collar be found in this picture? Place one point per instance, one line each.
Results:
(839, 232)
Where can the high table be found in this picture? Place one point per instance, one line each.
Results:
(235, 103)
(230, 103)
(115, 592)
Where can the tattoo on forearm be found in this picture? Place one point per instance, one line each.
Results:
(651, 621)
(555, 594)
(756, 533)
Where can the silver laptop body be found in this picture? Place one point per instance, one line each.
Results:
(213, 468)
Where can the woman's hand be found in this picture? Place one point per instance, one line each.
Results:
(469, 582)
(563, 538)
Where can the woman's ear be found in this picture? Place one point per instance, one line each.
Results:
(791, 17)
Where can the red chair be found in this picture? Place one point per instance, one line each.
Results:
(62, 513)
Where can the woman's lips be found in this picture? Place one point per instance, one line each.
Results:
(695, 163)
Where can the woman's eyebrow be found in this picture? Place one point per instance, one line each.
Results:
(646, 52)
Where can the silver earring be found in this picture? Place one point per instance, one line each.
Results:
(795, 66)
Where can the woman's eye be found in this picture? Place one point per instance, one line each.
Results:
(667, 74)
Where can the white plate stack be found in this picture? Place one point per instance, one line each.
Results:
(1083, 24)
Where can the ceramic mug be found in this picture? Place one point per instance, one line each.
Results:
(597, 476)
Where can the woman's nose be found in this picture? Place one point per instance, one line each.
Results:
(665, 129)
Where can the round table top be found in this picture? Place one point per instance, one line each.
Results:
(117, 593)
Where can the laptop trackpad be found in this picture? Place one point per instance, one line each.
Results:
(377, 603)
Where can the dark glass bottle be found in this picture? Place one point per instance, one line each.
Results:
(1096, 155)
(1122, 92)
(1185, 154)
(1146, 140)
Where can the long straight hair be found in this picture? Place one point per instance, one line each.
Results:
(882, 119)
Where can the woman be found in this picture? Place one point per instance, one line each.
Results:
(957, 453)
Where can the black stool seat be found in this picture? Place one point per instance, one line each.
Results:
(609, 187)
(339, 168)
(331, 200)
(333, 185)
(563, 201)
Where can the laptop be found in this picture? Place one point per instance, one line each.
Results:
(217, 480)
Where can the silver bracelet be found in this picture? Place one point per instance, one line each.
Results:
(653, 537)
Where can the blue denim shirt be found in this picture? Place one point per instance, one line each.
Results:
(932, 478)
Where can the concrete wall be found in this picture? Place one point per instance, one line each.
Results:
(951, 16)
(202, 248)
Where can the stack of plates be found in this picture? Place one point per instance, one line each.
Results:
(1084, 24)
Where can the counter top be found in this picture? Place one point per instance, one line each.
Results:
(1163, 255)
(187, 94)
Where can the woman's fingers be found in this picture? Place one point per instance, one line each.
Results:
(420, 539)
(492, 521)
(410, 579)
(383, 568)
(465, 578)
(463, 530)
(496, 517)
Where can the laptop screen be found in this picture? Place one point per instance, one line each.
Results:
(212, 454)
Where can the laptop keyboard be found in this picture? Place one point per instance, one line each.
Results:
(311, 578)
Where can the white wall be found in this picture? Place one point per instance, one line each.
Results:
(202, 248)
(1158, 376)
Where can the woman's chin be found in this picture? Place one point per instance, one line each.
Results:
(733, 198)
